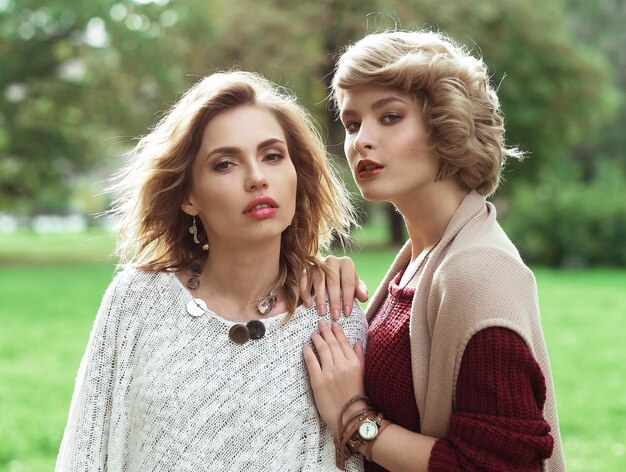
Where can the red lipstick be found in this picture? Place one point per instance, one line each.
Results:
(367, 168)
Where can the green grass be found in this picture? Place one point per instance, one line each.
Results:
(47, 308)
(60, 248)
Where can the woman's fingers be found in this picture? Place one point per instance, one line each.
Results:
(348, 277)
(333, 286)
(342, 341)
(312, 364)
(323, 350)
(333, 348)
(361, 292)
(320, 294)
(305, 295)
(358, 350)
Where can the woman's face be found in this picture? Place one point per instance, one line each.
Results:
(386, 144)
(244, 182)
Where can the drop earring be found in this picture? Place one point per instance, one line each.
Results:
(193, 229)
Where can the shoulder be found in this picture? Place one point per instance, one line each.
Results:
(356, 320)
(484, 267)
(483, 285)
(355, 325)
(131, 285)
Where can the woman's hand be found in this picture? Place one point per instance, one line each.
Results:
(338, 374)
(342, 284)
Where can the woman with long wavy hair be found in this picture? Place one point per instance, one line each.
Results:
(194, 361)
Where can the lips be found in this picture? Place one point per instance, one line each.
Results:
(260, 208)
(367, 168)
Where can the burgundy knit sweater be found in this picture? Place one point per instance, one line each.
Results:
(497, 424)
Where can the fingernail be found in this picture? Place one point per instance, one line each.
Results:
(336, 314)
(363, 288)
(347, 309)
(321, 309)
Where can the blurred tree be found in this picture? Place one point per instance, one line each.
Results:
(77, 72)
(557, 91)
(601, 25)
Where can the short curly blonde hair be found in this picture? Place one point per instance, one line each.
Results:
(459, 105)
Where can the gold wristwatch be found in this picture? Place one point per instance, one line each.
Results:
(367, 429)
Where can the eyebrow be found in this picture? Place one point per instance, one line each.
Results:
(236, 150)
(375, 106)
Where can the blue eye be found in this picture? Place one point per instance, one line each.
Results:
(352, 126)
(390, 118)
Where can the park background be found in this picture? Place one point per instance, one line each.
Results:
(79, 81)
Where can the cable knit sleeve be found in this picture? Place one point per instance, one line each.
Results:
(497, 424)
(84, 445)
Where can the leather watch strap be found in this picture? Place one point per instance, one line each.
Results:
(368, 448)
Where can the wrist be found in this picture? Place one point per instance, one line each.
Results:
(347, 418)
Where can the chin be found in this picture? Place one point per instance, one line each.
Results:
(372, 195)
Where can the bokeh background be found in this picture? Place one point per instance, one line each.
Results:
(80, 81)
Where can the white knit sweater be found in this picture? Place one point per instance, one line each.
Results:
(160, 390)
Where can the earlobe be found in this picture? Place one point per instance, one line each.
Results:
(188, 207)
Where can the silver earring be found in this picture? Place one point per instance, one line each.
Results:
(193, 229)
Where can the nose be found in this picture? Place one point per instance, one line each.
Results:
(255, 179)
(364, 140)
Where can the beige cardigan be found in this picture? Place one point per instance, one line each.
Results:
(473, 279)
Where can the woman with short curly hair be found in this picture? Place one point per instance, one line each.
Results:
(456, 374)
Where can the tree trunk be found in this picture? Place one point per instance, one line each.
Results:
(396, 226)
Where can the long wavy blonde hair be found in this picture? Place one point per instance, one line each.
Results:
(459, 105)
(149, 190)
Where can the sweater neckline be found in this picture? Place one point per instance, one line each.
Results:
(268, 321)
(396, 291)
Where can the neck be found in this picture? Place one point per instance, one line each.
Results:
(428, 211)
(233, 281)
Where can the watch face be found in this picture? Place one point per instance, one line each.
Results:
(368, 430)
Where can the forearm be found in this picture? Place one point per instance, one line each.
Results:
(398, 449)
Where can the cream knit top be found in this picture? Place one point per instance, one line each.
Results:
(473, 279)
(160, 390)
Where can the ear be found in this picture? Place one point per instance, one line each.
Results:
(188, 207)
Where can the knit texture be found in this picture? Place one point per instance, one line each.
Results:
(498, 424)
(388, 342)
(499, 384)
(160, 390)
(473, 279)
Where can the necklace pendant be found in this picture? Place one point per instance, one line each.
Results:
(196, 307)
(266, 304)
(193, 283)
(239, 334)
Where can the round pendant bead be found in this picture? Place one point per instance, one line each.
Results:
(196, 307)
(196, 269)
(193, 283)
(239, 334)
(256, 329)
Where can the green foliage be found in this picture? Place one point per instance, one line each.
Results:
(565, 222)
(555, 90)
(601, 25)
(79, 73)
